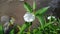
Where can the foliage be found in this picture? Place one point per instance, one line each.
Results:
(50, 27)
(1, 29)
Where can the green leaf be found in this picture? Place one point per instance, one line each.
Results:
(39, 32)
(35, 30)
(27, 7)
(25, 26)
(28, 33)
(34, 5)
(59, 20)
(41, 20)
(1, 29)
(19, 29)
(48, 24)
(42, 10)
(12, 31)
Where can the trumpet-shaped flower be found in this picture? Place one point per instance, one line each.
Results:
(29, 17)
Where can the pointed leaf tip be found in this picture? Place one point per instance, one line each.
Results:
(42, 10)
(27, 7)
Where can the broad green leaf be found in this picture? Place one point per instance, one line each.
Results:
(42, 10)
(1, 29)
(27, 7)
(34, 5)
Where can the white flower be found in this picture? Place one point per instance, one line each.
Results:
(51, 17)
(29, 17)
